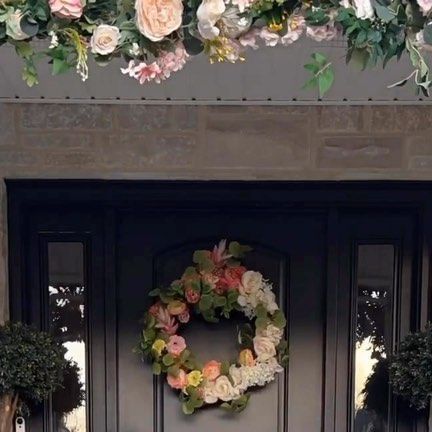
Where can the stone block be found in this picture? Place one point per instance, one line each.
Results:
(360, 152)
(84, 117)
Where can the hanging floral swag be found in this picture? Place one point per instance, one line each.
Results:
(216, 286)
(157, 37)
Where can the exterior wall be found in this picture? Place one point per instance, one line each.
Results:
(220, 142)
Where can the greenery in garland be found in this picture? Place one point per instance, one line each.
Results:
(411, 369)
(31, 368)
(157, 37)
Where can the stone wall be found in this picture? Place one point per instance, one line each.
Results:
(172, 142)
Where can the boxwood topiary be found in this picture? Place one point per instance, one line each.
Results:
(411, 369)
(31, 367)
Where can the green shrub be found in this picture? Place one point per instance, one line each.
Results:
(31, 367)
(411, 369)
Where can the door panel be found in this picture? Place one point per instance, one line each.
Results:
(376, 256)
(154, 249)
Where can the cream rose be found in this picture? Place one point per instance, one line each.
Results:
(156, 19)
(237, 376)
(209, 13)
(271, 332)
(251, 283)
(104, 39)
(264, 348)
(224, 390)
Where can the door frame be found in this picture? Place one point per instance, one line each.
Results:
(331, 198)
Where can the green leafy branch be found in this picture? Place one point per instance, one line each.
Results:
(322, 74)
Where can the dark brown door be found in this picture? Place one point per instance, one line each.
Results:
(153, 250)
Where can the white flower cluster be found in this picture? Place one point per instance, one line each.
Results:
(241, 378)
(255, 290)
(263, 366)
(260, 374)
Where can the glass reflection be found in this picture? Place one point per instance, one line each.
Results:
(67, 314)
(373, 337)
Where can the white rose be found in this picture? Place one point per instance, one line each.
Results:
(236, 373)
(224, 390)
(13, 27)
(209, 395)
(364, 9)
(264, 348)
(104, 39)
(209, 13)
(271, 332)
(251, 283)
(268, 298)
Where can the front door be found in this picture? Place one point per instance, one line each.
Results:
(350, 268)
(154, 247)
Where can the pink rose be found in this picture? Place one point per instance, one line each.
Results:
(156, 19)
(425, 6)
(232, 276)
(192, 296)
(184, 317)
(178, 382)
(176, 345)
(70, 9)
(211, 370)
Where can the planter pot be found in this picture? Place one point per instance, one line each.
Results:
(8, 407)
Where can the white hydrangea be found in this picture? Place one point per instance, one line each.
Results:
(260, 293)
(259, 375)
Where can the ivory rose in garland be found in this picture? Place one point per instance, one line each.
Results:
(157, 19)
(69, 9)
(216, 286)
(105, 39)
(209, 13)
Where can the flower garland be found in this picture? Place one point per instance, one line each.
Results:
(217, 285)
(157, 37)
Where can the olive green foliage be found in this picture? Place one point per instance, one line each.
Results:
(411, 369)
(31, 363)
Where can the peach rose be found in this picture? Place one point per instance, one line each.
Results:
(69, 9)
(246, 358)
(176, 345)
(156, 19)
(211, 370)
(176, 307)
(178, 382)
(192, 296)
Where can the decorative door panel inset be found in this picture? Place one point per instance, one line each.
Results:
(155, 248)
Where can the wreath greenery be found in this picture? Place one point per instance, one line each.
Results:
(157, 37)
(216, 286)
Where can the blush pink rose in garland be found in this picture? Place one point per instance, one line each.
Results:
(156, 19)
(213, 288)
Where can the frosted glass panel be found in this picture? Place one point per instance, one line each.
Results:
(373, 337)
(67, 314)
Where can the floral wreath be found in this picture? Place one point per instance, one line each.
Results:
(217, 285)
